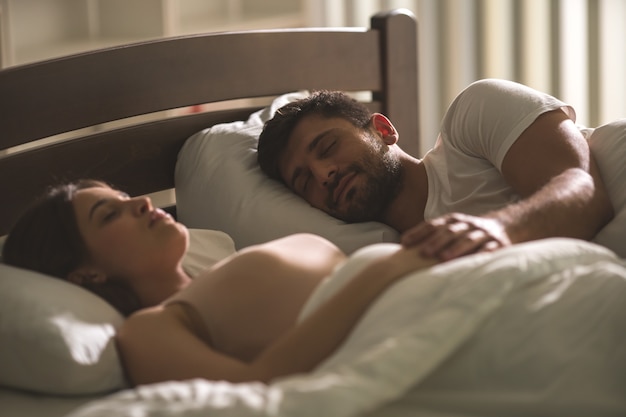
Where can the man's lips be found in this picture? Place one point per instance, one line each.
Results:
(342, 187)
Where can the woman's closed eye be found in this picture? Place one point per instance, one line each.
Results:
(110, 209)
(109, 215)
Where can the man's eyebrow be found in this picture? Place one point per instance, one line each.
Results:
(310, 148)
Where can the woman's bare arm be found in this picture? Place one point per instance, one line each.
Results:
(157, 345)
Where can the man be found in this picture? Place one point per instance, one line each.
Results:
(509, 166)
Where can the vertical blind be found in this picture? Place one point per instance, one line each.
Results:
(572, 49)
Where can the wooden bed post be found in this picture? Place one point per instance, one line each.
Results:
(398, 31)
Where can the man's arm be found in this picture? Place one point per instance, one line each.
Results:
(551, 167)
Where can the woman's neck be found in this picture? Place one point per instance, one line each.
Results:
(161, 285)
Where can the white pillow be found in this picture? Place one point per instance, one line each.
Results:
(57, 338)
(608, 146)
(220, 186)
(206, 247)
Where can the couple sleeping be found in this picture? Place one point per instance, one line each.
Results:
(272, 310)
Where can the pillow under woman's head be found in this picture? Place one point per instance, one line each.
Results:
(58, 338)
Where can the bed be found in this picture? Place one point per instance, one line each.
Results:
(150, 118)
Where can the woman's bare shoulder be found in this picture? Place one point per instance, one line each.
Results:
(144, 321)
(302, 246)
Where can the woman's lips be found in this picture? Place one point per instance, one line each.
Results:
(157, 215)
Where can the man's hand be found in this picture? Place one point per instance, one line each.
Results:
(456, 234)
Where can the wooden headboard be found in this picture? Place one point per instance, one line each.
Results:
(128, 107)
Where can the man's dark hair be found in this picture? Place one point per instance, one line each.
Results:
(276, 132)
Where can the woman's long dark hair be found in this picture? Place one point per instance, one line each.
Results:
(46, 239)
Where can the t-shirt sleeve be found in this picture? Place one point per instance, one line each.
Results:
(488, 116)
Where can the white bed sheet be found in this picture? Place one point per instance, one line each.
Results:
(461, 347)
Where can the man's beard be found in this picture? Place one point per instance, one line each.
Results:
(383, 174)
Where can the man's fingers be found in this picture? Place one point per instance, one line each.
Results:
(455, 235)
(443, 237)
(422, 231)
(416, 234)
(471, 242)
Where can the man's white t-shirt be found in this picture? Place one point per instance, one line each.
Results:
(464, 166)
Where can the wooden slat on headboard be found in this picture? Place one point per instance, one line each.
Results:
(47, 98)
(97, 87)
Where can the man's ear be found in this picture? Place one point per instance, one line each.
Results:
(386, 129)
(84, 275)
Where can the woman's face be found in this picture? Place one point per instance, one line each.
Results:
(127, 237)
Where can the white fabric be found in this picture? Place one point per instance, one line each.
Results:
(478, 129)
(206, 247)
(57, 338)
(608, 146)
(427, 341)
(220, 186)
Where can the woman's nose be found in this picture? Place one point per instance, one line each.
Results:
(141, 205)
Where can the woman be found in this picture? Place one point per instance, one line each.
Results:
(235, 322)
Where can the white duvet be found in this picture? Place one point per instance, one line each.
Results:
(537, 329)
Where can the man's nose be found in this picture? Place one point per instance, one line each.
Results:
(323, 172)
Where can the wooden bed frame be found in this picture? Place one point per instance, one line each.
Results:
(89, 93)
